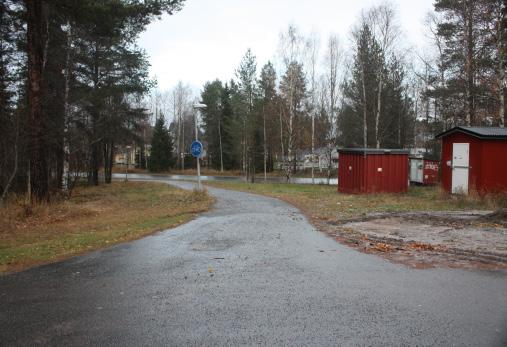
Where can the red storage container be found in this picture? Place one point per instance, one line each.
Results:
(430, 172)
(373, 170)
(424, 171)
(474, 159)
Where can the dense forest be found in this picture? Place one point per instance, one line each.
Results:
(72, 80)
(75, 87)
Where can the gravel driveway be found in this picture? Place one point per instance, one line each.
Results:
(252, 271)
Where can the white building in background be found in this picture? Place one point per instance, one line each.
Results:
(321, 159)
(129, 156)
(305, 161)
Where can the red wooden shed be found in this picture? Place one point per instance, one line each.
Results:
(373, 170)
(474, 159)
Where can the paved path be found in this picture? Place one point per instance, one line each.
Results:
(250, 272)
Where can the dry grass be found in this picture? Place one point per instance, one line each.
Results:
(322, 202)
(93, 218)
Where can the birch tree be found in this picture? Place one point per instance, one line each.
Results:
(312, 51)
(181, 102)
(332, 61)
(382, 21)
(291, 44)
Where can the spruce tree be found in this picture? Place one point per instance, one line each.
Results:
(161, 156)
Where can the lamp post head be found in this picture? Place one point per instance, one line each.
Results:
(200, 106)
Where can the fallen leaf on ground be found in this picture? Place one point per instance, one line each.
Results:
(421, 246)
(382, 247)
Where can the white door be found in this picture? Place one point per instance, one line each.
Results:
(416, 170)
(460, 160)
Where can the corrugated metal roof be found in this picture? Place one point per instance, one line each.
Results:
(374, 151)
(480, 132)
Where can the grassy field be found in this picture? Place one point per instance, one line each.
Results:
(95, 217)
(324, 203)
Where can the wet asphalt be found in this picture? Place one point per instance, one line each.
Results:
(252, 271)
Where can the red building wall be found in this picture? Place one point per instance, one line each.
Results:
(350, 173)
(494, 166)
(359, 173)
(487, 163)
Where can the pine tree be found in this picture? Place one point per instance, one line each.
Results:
(246, 74)
(212, 119)
(9, 118)
(359, 112)
(270, 127)
(161, 154)
(230, 159)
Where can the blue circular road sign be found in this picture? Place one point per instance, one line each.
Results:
(196, 149)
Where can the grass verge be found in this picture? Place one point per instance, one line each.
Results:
(324, 203)
(95, 217)
(306, 173)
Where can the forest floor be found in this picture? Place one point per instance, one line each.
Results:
(93, 218)
(423, 228)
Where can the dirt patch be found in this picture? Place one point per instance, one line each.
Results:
(426, 239)
(497, 217)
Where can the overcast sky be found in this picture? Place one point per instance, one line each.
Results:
(207, 38)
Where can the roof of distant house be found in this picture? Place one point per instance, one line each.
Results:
(493, 133)
(373, 151)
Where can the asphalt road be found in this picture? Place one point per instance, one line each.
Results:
(251, 272)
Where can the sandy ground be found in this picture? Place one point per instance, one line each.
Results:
(454, 238)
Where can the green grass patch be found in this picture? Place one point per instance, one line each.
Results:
(93, 218)
(324, 202)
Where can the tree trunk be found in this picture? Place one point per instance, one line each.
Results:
(290, 136)
(500, 44)
(95, 164)
(16, 163)
(469, 64)
(264, 138)
(379, 107)
(108, 160)
(245, 164)
(313, 146)
(365, 111)
(503, 115)
(182, 144)
(281, 139)
(36, 26)
(220, 142)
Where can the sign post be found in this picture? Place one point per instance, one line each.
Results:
(197, 145)
(196, 150)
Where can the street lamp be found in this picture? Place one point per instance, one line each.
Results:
(199, 107)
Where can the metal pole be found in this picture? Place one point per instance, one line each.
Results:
(127, 166)
(198, 161)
